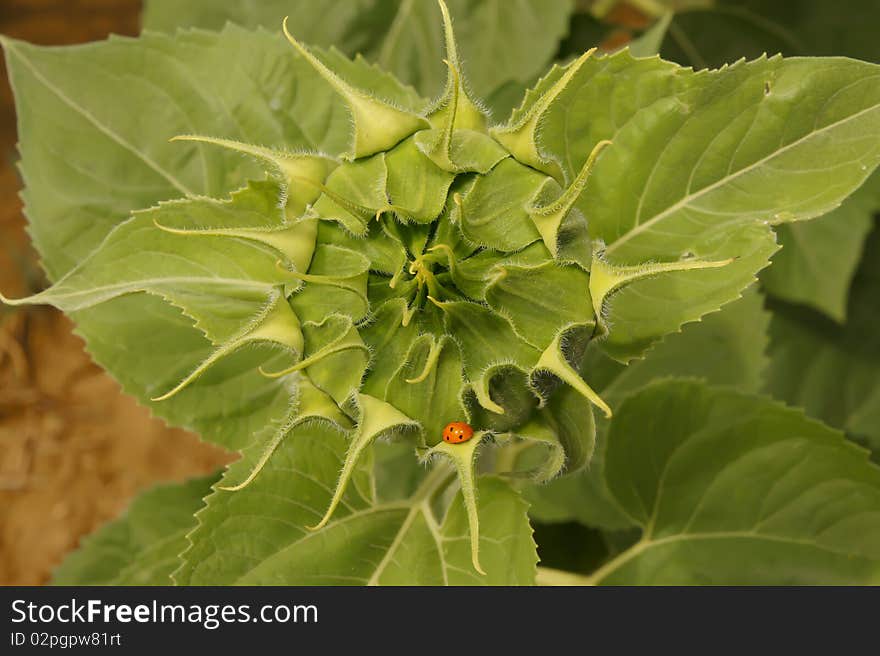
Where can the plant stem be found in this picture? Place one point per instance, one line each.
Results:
(547, 576)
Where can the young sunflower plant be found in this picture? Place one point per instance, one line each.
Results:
(405, 264)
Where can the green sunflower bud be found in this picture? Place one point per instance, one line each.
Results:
(435, 270)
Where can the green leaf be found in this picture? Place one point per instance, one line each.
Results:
(724, 348)
(201, 271)
(736, 489)
(110, 150)
(833, 371)
(700, 164)
(225, 287)
(258, 535)
(819, 258)
(142, 546)
(402, 36)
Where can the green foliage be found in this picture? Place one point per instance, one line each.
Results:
(402, 36)
(731, 489)
(726, 348)
(818, 259)
(320, 259)
(259, 535)
(833, 371)
(141, 547)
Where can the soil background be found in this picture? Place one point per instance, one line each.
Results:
(73, 449)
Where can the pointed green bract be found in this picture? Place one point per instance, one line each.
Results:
(377, 125)
(277, 325)
(464, 457)
(553, 360)
(416, 188)
(336, 357)
(477, 272)
(548, 218)
(376, 419)
(520, 135)
(311, 405)
(336, 282)
(564, 429)
(467, 151)
(457, 110)
(355, 194)
(335, 334)
(300, 174)
(296, 242)
(389, 336)
(605, 278)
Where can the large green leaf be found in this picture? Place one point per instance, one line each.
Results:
(701, 164)
(833, 371)
(735, 489)
(142, 546)
(819, 258)
(259, 536)
(725, 348)
(95, 120)
(402, 36)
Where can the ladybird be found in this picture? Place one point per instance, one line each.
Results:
(457, 432)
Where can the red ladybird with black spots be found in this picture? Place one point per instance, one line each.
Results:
(457, 432)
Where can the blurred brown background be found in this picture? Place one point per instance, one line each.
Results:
(73, 449)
